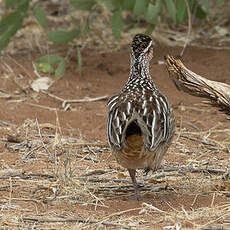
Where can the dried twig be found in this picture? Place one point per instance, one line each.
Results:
(88, 99)
(21, 66)
(8, 186)
(65, 101)
(192, 125)
(116, 214)
(39, 133)
(189, 28)
(11, 172)
(85, 158)
(42, 106)
(89, 221)
(198, 140)
(5, 95)
(95, 172)
(25, 156)
(115, 189)
(76, 142)
(216, 228)
(6, 123)
(28, 176)
(193, 169)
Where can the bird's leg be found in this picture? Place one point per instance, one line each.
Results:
(132, 173)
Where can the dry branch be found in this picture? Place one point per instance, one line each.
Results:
(191, 169)
(117, 190)
(39, 133)
(197, 140)
(184, 79)
(95, 172)
(216, 228)
(11, 172)
(85, 158)
(65, 102)
(31, 176)
(54, 220)
(6, 123)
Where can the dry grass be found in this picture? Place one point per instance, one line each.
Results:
(52, 181)
(50, 170)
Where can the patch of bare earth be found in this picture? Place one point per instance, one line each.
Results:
(56, 169)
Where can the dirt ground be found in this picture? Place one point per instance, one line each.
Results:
(56, 169)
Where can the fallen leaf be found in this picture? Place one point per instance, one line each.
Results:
(42, 83)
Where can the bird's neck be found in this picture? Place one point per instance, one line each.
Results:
(139, 68)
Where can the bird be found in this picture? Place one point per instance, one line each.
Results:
(140, 121)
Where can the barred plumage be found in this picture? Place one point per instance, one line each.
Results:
(140, 123)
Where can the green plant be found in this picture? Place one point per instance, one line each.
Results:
(152, 12)
(48, 63)
(149, 12)
(12, 22)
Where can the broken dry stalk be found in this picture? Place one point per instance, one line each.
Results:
(66, 101)
(39, 133)
(88, 221)
(184, 79)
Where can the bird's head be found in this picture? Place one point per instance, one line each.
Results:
(141, 48)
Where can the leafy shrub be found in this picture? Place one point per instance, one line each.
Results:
(151, 12)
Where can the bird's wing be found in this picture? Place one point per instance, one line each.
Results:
(153, 115)
(157, 120)
(119, 115)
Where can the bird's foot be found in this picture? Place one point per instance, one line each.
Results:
(137, 194)
(132, 173)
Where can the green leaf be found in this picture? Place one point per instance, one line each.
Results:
(200, 13)
(116, 4)
(170, 6)
(44, 67)
(205, 4)
(192, 5)
(60, 69)
(140, 7)
(8, 27)
(116, 23)
(11, 3)
(82, 4)
(220, 2)
(76, 22)
(128, 4)
(108, 4)
(86, 28)
(47, 64)
(61, 36)
(52, 59)
(181, 11)
(79, 60)
(23, 7)
(14, 4)
(11, 23)
(152, 12)
(40, 16)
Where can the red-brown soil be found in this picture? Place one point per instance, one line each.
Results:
(190, 200)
